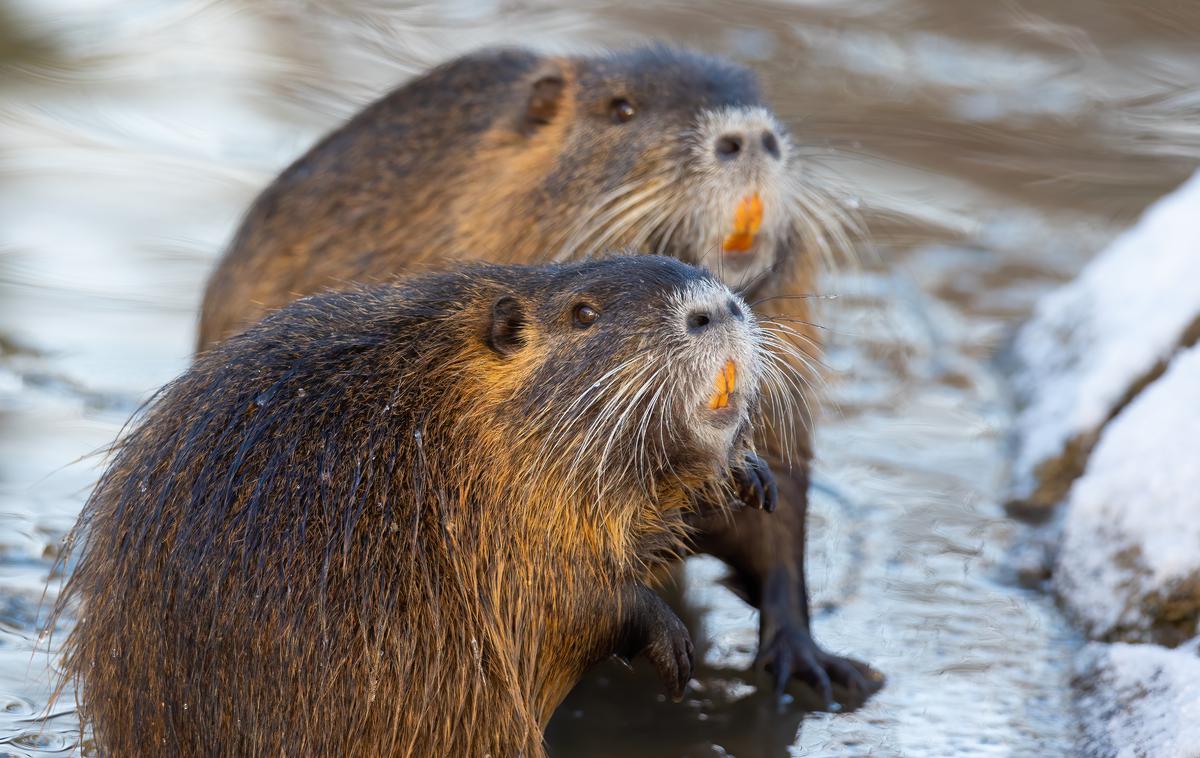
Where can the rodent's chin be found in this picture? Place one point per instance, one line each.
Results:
(717, 430)
(729, 417)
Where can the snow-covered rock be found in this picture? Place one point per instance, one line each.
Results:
(1129, 566)
(1138, 701)
(1093, 344)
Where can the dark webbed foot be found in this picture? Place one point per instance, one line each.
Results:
(754, 484)
(789, 651)
(652, 629)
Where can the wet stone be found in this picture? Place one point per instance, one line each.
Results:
(1129, 567)
(1138, 701)
(1094, 344)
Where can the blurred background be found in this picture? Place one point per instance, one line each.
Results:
(990, 148)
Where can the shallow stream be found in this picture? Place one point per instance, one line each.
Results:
(990, 148)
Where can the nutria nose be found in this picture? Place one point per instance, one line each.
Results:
(702, 318)
(770, 143)
(729, 146)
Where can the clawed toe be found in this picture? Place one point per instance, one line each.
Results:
(795, 655)
(755, 484)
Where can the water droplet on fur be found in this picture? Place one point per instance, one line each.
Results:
(387, 408)
(114, 653)
(185, 706)
(301, 392)
(142, 488)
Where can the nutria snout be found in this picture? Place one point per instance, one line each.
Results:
(403, 520)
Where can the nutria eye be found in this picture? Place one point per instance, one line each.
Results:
(585, 315)
(621, 109)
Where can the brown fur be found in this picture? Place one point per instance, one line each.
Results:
(378, 523)
(512, 156)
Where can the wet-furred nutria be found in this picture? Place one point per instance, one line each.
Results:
(513, 156)
(402, 520)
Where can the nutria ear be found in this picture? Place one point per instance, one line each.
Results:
(506, 335)
(544, 97)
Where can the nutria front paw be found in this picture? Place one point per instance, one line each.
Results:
(754, 484)
(792, 652)
(652, 629)
(670, 650)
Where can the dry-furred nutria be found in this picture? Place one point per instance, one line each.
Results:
(518, 157)
(403, 520)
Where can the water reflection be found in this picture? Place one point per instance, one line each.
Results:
(729, 708)
(990, 147)
(723, 715)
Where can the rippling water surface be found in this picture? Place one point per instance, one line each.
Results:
(990, 147)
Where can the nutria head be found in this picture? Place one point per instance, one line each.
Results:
(674, 152)
(625, 369)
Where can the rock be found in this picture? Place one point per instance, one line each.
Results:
(1129, 565)
(1092, 345)
(1138, 701)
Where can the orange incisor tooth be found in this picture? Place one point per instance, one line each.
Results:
(726, 381)
(747, 218)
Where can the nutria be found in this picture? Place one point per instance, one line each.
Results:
(517, 157)
(403, 520)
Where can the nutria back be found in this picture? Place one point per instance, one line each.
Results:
(395, 521)
(514, 156)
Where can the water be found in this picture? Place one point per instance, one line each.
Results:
(991, 148)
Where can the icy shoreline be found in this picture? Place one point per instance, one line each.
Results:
(1138, 700)
(1129, 566)
(1091, 346)
(1107, 375)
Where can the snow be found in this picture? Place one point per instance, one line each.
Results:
(1091, 341)
(1139, 700)
(1131, 539)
